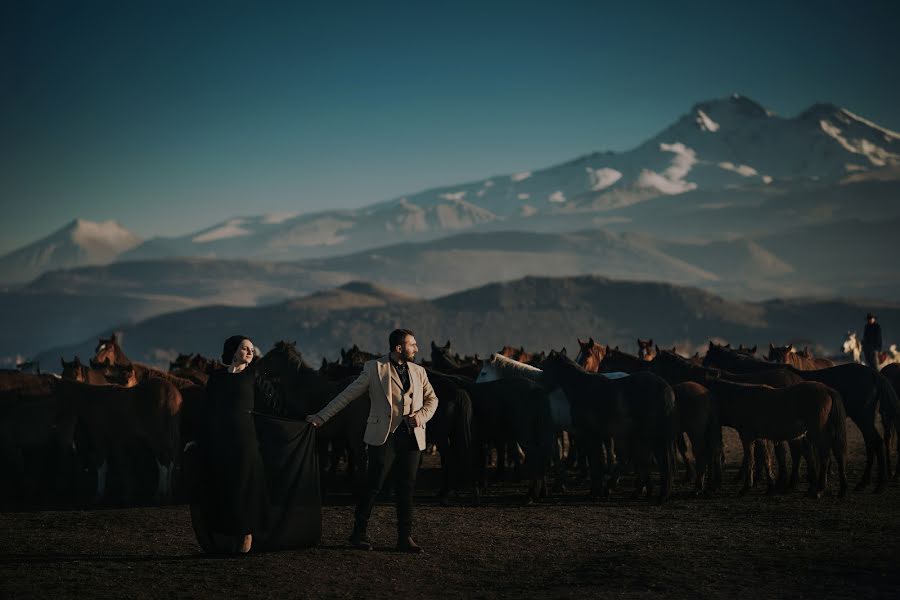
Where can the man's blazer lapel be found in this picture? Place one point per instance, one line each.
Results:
(384, 375)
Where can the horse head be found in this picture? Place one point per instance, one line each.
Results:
(645, 349)
(109, 352)
(590, 354)
(72, 370)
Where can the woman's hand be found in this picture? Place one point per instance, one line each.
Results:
(315, 420)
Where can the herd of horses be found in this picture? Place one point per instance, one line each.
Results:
(114, 431)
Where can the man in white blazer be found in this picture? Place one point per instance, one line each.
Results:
(402, 401)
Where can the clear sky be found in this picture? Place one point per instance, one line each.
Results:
(169, 116)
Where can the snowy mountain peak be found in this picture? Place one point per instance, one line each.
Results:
(79, 243)
(733, 106)
(110, 234)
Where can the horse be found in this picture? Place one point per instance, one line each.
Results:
(452, 430)
(809, 409)
(287, 386)
(639, 410)
(698, 419)
(442, 360)
(801, 360)
(519, 354)
(514, 413)
(853, 346)
(499, 367)
(616, 361)
(75, 371)
(590, 354)
(117, 422)
(356, 356)
(676, 369)
(891, 372)
(646, 349)
(864, 392)
(36, 461)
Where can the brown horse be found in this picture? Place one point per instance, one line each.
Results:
(675, 369)
(807, 409)
(35, 460)
(119, 422)
(698, 419)
(111, 375)
(865, 394)
(799, 360)
(590, 355)
(646, 349)
(519, 354)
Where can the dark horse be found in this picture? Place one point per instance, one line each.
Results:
(863, 391)
(638, 410)
(287, 386)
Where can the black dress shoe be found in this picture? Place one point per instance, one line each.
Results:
(407, 544)
(358, 540)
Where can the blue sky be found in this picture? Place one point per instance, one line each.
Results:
(169, 116)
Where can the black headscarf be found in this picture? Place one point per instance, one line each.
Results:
(231, 346)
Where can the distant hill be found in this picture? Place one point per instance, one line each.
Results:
(537, 312)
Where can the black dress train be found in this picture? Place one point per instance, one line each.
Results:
(252, 472)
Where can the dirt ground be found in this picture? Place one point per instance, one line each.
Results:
(726, 546)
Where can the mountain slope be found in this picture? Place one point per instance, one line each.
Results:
(537, 312)
(78, 243)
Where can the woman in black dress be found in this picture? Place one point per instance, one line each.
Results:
(255, 476)
(236, 474)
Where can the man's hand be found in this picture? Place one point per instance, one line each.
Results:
(415, 420)
(315, 420)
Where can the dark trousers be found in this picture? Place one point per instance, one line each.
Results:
(398, 455)
(871, 357)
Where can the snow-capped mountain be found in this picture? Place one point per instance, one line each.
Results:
(79, 243)
(723, 160)
(320, 234)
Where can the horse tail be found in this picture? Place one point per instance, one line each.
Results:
(670, 432)
(462, 437)
(888, 404)
(889, 407)
(172, 421)
(837, 424)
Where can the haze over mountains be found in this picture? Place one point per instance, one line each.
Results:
(731, 198)
(537, 312)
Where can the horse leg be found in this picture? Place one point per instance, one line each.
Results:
(681, 443)
(888, 434)
(102, 472)
(764, 459)
(594, 453)
(701, 455)
(810, 449)
(612, 463)
(781, 459)
(748, 445)
(840, 458)
(796, 447)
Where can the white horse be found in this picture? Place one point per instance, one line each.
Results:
(500, 367)
(852, 345)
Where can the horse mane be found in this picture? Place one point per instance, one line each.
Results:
(515, 367)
